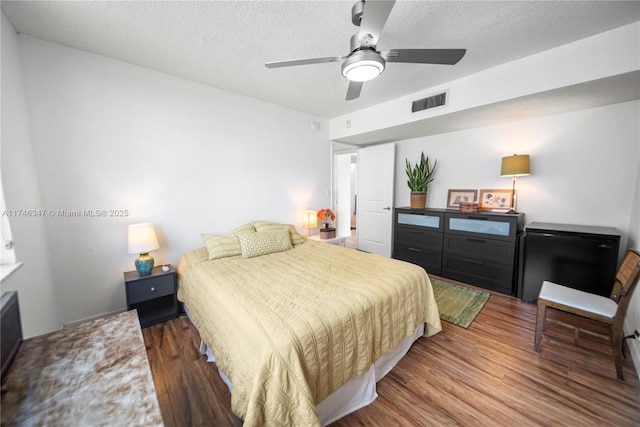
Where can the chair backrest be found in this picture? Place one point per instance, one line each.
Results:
(626, 281)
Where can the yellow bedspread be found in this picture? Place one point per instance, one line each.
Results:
(290, 328)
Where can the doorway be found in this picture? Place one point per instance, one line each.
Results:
(345, 191)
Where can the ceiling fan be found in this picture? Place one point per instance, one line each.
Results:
(365, 63)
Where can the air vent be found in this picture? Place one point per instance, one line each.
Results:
(434, 101)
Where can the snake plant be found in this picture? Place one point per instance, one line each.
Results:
(421, 175)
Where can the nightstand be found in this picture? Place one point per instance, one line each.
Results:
(154, 296)
(339, 240)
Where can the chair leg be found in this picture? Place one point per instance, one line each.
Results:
(540, 318)
(616, 343)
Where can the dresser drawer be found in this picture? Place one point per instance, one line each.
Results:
(415, 236)
(427, 258)
(490, 275)
(147, 289)
(479, 248)
(489, 225)
(428, 220)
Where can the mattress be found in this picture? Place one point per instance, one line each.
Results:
(290, 328)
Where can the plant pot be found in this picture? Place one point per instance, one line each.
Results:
(418, 199)
(327, 233)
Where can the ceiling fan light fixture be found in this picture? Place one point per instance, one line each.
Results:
(363, 66)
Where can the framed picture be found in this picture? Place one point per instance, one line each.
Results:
(496, 199)
(457, 196)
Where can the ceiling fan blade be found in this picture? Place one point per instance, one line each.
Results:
(354, 90)
(307, 61)
(425, 56)
(374, 17)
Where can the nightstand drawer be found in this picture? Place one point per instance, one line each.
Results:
(146, 289)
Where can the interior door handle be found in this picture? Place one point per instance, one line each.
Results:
(388, 208)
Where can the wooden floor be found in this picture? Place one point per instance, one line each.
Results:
(487, 375)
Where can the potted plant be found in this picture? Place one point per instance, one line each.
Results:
(419, 178)
(326, 215)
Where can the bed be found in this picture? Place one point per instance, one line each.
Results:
(291, 329)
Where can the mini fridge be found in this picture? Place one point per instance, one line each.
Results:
(577, 256)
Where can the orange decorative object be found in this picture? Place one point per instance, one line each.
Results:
(326, 214)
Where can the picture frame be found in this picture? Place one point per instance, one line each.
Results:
(496, 199)
(456, 196)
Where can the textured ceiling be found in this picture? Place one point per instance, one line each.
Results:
(226, 43)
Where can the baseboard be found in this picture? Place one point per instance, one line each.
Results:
(89, 319)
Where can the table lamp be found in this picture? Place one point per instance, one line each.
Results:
(309, 220)
(513, 166)
(142, 239)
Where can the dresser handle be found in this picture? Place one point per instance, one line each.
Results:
(415, 250)
(153, 289)
(416, 232)
(470, 261)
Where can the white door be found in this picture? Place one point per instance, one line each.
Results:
(376, 169)
(342, 165)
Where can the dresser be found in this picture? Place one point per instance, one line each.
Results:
(577, 256)
(475, 248)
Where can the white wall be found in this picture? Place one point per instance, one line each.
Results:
(584, 165)
(186, 157)
(34, 281)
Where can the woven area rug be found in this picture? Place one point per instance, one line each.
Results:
(458, 304)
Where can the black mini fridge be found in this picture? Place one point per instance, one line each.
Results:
(577, 256)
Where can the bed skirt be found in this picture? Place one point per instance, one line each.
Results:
(357, 392)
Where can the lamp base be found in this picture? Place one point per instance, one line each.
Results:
(144, 264)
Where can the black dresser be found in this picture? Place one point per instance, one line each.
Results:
(578, 256)
(475, 248)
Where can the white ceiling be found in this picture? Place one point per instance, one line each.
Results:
(226, 43)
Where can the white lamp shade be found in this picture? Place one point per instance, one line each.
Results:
(309, 219)
(363, 71)
(142, 238)
(363, 65)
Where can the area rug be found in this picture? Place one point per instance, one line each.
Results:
(458, 304)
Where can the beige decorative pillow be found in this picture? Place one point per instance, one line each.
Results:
(247, 228)
(226, 246)
(264, 242)
(221, 246)
(296, 238)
